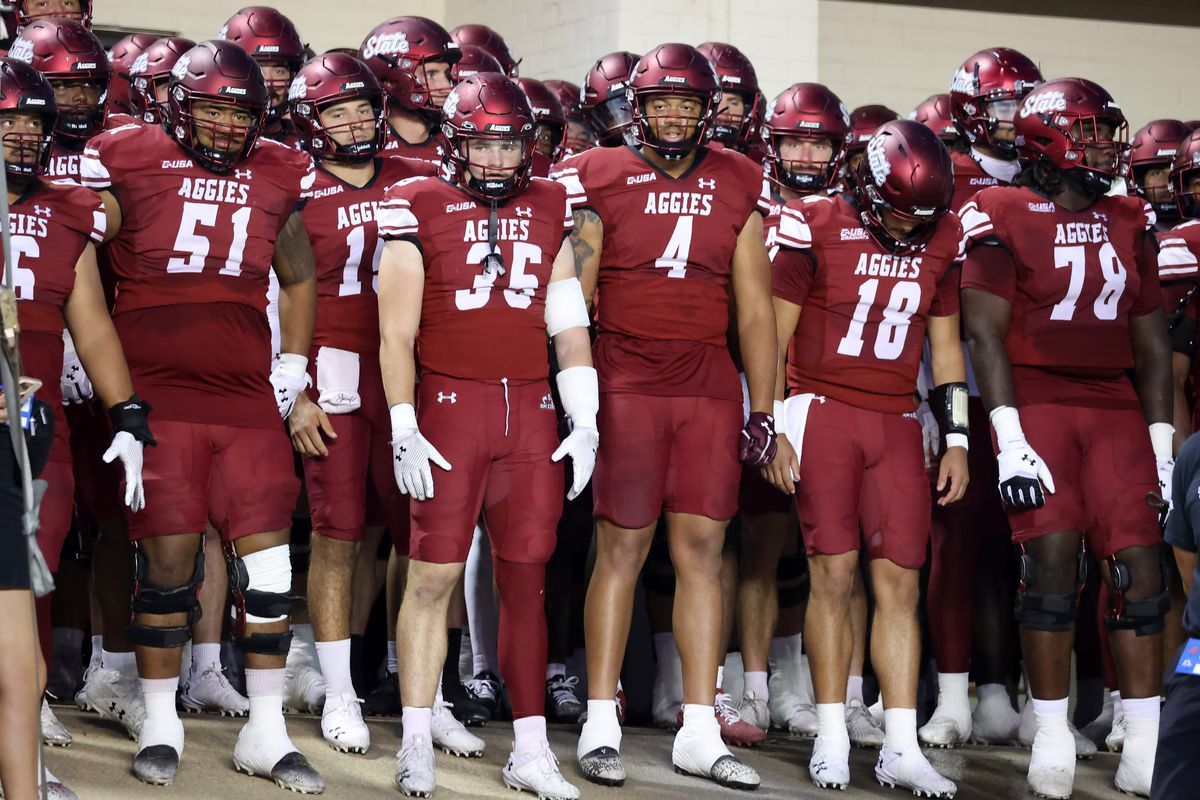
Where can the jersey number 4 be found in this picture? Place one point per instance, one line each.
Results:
(1113, 271)
(675, 258)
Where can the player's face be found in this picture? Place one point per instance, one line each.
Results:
(1098, 150)
(1003, 112)
(802, 154)
(22, 136)
(279, 79)
(733, 108)
(579, 137)
(1192, 185)
(53, 8)
(349, 122)
(491, 159)
(75, 93)
(160, 92)
(900, 228)
(548, 138)
(435, 77)
(852, 161)
(673, 117)
(221, 127)
(1155, 183)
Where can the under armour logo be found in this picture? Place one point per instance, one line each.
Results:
(447, 398)
(243, 173)
(711, 183)
(524, 211)
(45, 211)
(1028, 459)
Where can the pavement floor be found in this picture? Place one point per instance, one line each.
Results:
(97, 767)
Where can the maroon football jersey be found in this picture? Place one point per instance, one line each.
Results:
(429, 150)
(665, 268)
(340, 220)
(51, 225)
(969, 179)
(864, 309)
(469, 330)
(1074, 279)
(63, 165)
(191, 263)
(1178, 252)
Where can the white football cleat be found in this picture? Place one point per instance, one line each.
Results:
(211, 691)
(829, 766)
(117, 696)
(342, 724)
(54, 789)
(1115, 740)
(864, 729)
(414, 767)
(912, 771)
(451, 735)
(264, 750)
(667, 700)
(1052, 765)
(538, 774)
(754, 710)
(994, 721)
(705, 755)
(1085, 748)
(54, 733)
(788, 710)
(1137, 758)
(946, 729)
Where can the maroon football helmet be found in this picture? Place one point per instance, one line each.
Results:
(25, 12)
(24, 89)
(579, 133)
(986, 91)
(603, 98)
(1059, 121)
(328, 80)
(1186, 167)
(737, 76)
(673, 69)
(805, 111)
(397, 48)
(934, 113)
(474, 59)
(1155, 146)
(864, 121)
(120, 58)
(550, 116)
(490, 42)
(71, 57)
(492, 108)
(218, 72)
(905, 172)
(152, 71)
(272, 40)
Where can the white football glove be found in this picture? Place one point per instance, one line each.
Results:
(931, 436)
(1162, 439)
(289, 378)
(1023, 473)
(125, 447)
(581, 445)
(74, 382)
(412, 454)
(579, 390)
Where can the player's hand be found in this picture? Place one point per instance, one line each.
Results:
(306, 424)
(756, 445)
(411, 456)
(580, 445)
(74, 382)
(289, 378)
(1166, 467)
(931, 436)
(127, 448)
(784, 469)
(1023, 473)
(953, 475)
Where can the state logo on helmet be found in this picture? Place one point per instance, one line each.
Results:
(338, 109)
(674, 96)
(403, 53)
(985, 93)
(26, 94)
(149, 75)
(228, 85)
(903, 185)
(120, 58)
(796, 126)
(489, 131)
(75, 63)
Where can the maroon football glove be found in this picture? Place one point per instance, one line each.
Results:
(757, 446)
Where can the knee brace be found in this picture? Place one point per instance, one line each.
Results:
(1047, 612)
(1144, 617)
(150, 598)
(260, 584)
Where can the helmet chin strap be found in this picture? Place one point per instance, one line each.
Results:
(493, 262)
(999, 168)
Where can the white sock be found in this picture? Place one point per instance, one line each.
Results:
(415, 722)
(1051, 715)
(122, 662)
(335, 666)
(696, 717)
(601, 728)
(1118, 704)
(162, 725)
(900, 729)
(1148, 708)
(720, 677)
(987, 691)
(831, 723)
(756, 684)
(97, 649)
(953, 688)
(529, 735)
(205, 655)
(393, 666)
(854, 688)
(264, 687)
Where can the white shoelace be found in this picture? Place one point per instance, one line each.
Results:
(481, 688)
(727, 710)
(563, 689)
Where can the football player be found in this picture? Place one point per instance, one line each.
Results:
(206, 208)
(604, 100)
(667, 234)
(1179, 270)
(551, 125)
(1061, 299)
(864, 121)
(934, 113)
(859, 281)
(149, 76)
(579, 133)
(412, 57)
(54, 230)
(472, 60)
(342, 429)
(121, 57)
(490, 42)
(741, 100)
(26, 11)
(467, 277)
(271, 39)
(970, 578)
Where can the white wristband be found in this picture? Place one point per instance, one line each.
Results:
(579, 389)
(957, 440)
(292, 364)
(1007, 424)
(1162, 439)
(777, 412)
(404, 418)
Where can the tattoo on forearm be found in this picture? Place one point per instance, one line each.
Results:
(297, 250)
(584, 219)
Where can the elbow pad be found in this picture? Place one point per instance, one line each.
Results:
(565, 307)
